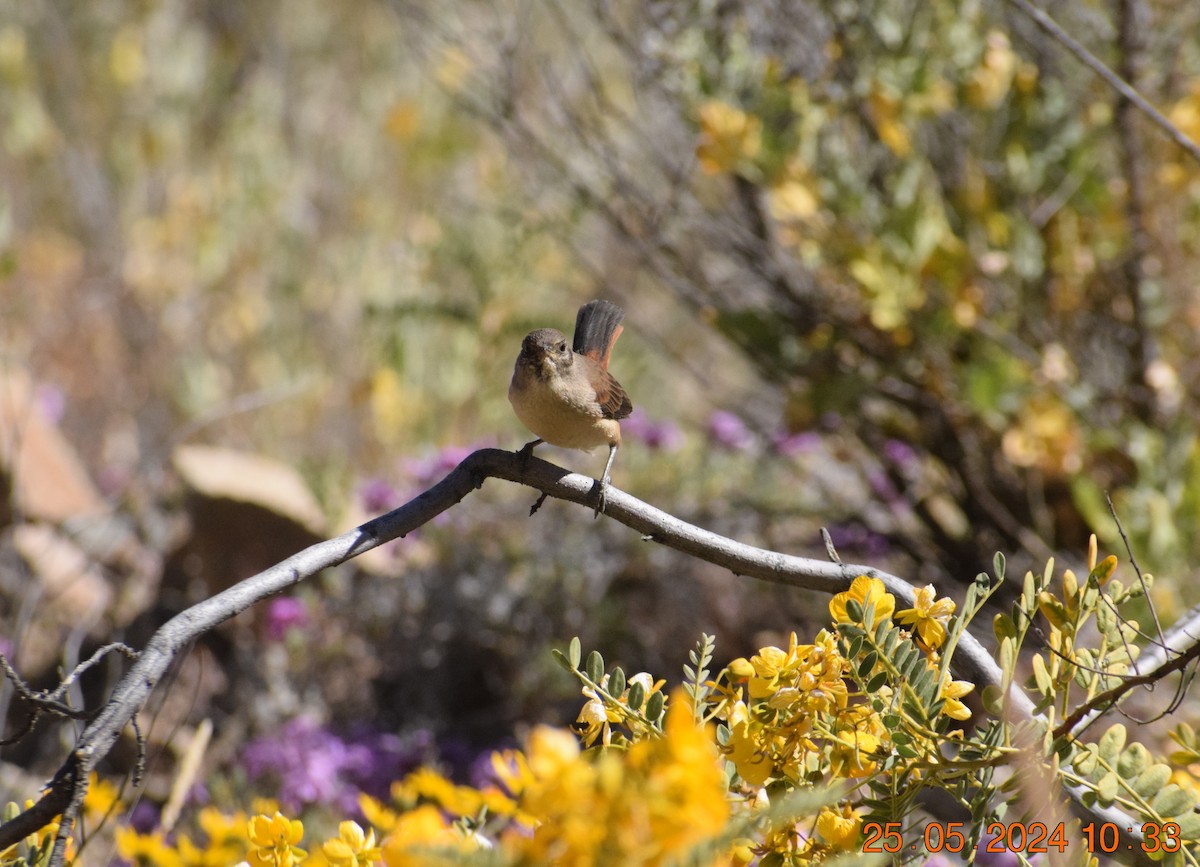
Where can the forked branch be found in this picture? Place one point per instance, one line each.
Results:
(65, 792)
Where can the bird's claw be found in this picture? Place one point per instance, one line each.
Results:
(601, 488)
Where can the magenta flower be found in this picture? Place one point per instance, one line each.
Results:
(729, 431)
(378, 495)
(285, 613)
(664, 435)
(791, 444)
(308, 764)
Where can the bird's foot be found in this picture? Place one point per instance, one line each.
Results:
(533, 509)
(526, 451)
(601, 489)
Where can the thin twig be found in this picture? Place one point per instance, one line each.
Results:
(1110, 697)
(829, 549)
(1137, 569)
(1092, 62)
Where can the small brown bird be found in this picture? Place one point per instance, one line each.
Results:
(565, 394)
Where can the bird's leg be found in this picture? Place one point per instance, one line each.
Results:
(526, 451)
(603, 482)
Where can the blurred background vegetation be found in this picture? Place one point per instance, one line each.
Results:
(903, 270)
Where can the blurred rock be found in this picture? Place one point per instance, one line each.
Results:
(247, 512)
(38, 467)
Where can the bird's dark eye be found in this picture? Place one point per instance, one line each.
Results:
(562, 346)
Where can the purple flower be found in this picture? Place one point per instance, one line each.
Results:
(856, 537)
(285, 613)
(432, 467)
(881, 485)
(308, 764)
(791, 444)
(655, 434)
(144, 817)
(729, 431)
(985, 858)
(378, 495)
(899, 452)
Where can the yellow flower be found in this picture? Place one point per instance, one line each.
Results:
(146, 849)
(227, 836)
(885, 111)
(273, 841)
(793, 199)
(352, 848)
(647, 805)
(458, 800)
(928, 616)
(377, 814)
(741, 669)
(952, 691)
(593, 723)
(993, 79)
(102, 799)
(839, 830)
(865, 591)
(853, 753)
(747, 755)
(428, 783)
(727, 136)
(419, 831)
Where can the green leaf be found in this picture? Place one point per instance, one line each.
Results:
(926, 685)
(637, 695)
(1189, 826)
(1172, 801)
(1086, 760)
(1133, 761)
(1151, 780)
(914, 710)
(998, 564)
(1041, 675)
(890, 639)
(1029, 593)
(868, 664)
(1111, 744)
(616, 682)
(654, 706)
(854, 610)
(877, 682)
(1008, 655)
(595, 666)
(561, 659)
(574, 653)
(1108, 787)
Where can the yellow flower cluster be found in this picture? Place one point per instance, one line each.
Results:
(837, 709)
(772, 730)
(647, 805)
